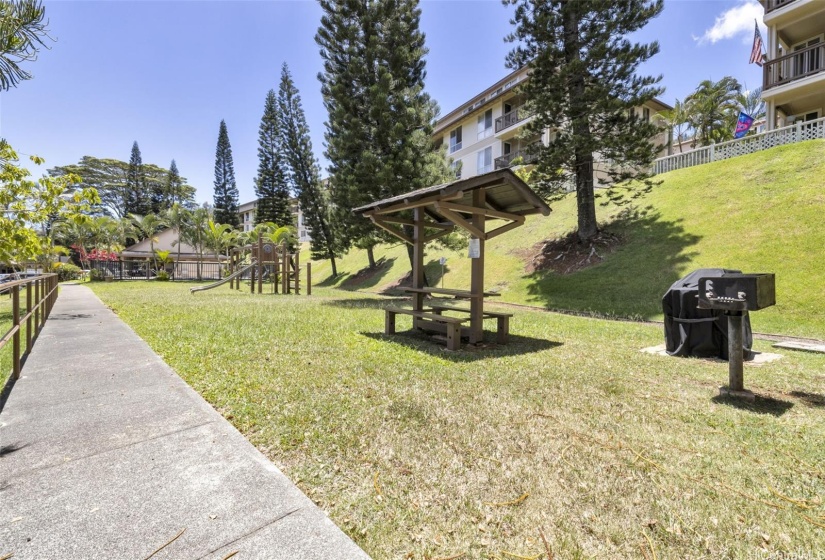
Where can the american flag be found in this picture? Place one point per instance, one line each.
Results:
(756, 50)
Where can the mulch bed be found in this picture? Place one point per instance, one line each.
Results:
(569, 254)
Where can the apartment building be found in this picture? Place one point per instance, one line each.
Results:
(246, 212)
(486, 133)
(793, 85)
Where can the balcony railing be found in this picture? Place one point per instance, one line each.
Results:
(509, 119)
(794, 66)
(772, 5)
(527, 154)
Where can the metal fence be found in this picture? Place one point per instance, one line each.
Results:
(798, 132)
(146, 270)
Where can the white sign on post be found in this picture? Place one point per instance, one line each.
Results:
(442, 261)
(475, 248)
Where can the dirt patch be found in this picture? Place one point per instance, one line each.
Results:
(569, 254)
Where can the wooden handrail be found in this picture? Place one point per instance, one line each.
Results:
(34, 318)
(793, 66)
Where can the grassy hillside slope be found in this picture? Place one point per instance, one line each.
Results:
(758, 213)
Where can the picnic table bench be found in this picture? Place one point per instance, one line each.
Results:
(502, 319)
(452, 324)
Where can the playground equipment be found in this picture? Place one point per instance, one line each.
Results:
(264, 260)
(223, 281)
(272, 262)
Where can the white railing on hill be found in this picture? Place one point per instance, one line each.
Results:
(797, 132)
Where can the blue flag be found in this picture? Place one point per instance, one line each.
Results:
(743, 125)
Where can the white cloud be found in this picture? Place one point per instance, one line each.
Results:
(735, 22)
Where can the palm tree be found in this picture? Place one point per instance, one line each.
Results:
(108, 233)
(75, 234)
(178, 217)
(146, 227)
(752, 103)
(219, 237)
(194, 233)
(676, 120)
(713, 109)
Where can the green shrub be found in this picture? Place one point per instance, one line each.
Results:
(162, 276)
(96, 274)
(67, 271)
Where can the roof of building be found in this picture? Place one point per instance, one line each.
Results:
(505, 193)
(512, 79)
(165, 240)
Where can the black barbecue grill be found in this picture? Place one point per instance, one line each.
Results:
(736, 294)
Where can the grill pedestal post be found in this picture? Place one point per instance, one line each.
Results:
(736, 358)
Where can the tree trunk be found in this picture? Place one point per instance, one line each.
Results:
(582, 154)
(371, 256)
(334, 268)
(411, 255)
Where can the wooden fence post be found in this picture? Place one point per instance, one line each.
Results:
(15, 312)
(36, 308)
(260, 263)
(285, 267)
(29, 318)
(297, 274)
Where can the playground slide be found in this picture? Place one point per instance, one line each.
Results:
(222, 281)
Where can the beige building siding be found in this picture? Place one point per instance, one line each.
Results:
(246, 211)
(166, 240)
(794, 70)
(491, 127)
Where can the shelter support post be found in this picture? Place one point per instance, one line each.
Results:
(418, 260)
(477, 274)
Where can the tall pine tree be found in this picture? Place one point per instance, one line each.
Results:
(304, 172)
(271, 185)
(173, 185)
(584, 86)
(137, 200)
(226, 192)
(378, 134)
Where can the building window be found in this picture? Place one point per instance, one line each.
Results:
(455, 140)
(485, 160)
(456, 167)
(645, 114)
(485, 124)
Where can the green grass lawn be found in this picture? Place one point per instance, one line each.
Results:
(757, 213)
(568, 432)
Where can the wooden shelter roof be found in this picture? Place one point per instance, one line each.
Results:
(504, 193)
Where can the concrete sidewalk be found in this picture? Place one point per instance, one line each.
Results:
(106, 453)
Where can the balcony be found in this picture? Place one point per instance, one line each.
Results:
(527, 154)
(795, 66)
(772, 5)
(513, 117)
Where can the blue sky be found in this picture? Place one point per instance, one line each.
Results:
(165, 73)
